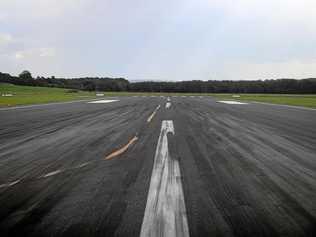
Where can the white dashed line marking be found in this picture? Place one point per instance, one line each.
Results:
(168, 105)
(52, 173)
(102, 101)
(165, 213)
(10, 184)
(230, 102)
(82, 165)
(153, 114)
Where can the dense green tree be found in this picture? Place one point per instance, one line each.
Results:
(120, 84)
(25, 75)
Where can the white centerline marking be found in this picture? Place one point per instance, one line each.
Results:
(165, 213)
(102, 101)
(168, 105)
(231, 102)
(153, 114)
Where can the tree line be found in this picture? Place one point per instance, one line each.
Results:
(304, 86)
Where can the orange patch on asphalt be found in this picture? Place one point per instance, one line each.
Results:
(122, 150)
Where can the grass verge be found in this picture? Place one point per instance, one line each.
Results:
(285, 99)
(26, 95)
(12, 95)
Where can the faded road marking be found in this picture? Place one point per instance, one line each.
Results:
(168, 105)
(165, 213)
(102, 101)
(82, 165)
(153, 114)
(231, 102)
(123, 149)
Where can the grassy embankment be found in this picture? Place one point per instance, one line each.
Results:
(25, 95)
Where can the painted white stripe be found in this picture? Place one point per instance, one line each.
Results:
(168, 99)
(232, 102)
(153, 114)
(165, 213)
(82, 165)
(52, 173)
(168, 105)
(102, 101)
(10, 184)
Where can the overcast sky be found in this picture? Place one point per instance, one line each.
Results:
(159, 39)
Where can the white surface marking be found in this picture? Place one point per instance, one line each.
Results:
(165, 213)
(232, 102)
(82, 165)
(102, 101)
(168, 105)
(52, 173)
(153, 114)
(10, 184)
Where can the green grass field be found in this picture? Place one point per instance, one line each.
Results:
(25, 95)
(285, 99)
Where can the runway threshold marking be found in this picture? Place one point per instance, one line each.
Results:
(165, 212)
(122, 149)
(153, 114)
(231, 102)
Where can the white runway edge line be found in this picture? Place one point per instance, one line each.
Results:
(231, 102)
(102, 101)
(165, 212)
(168, 105)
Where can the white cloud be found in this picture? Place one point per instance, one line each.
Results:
(39, 8)
(288, 12)
(5, 39)
(35, 53)
(253, 71)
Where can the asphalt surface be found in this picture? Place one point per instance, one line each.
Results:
(213, 169)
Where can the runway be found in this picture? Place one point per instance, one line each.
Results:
(157, 166)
